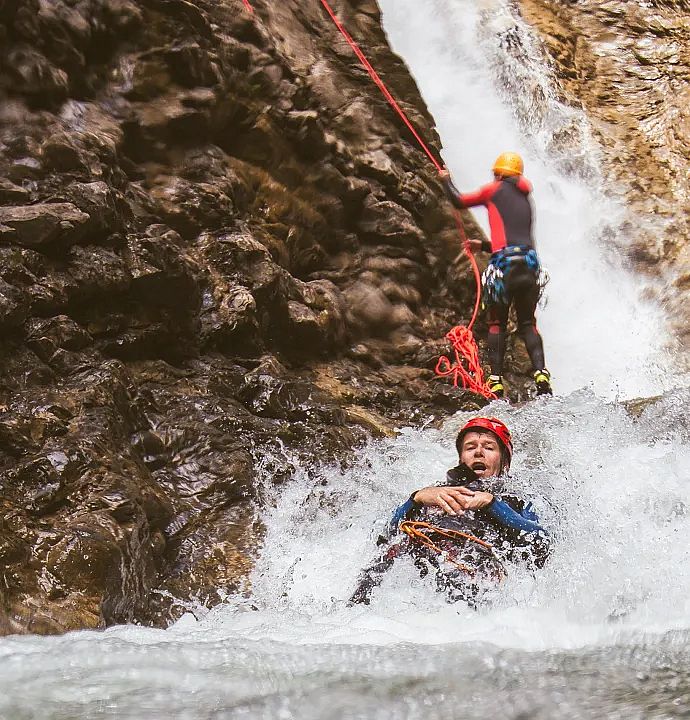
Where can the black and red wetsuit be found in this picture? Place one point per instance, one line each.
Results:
(510, 220)
(510, 209)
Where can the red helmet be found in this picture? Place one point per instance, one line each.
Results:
(493, 425)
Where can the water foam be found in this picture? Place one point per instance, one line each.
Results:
(612, 487)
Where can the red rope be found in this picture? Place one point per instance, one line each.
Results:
(248, 6)
(461, 338)
(375, 77)
(420, 532)
(467, 367)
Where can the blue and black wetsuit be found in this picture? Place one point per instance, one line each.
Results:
(508, 524)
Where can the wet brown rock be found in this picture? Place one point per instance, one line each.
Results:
(231, 323)
(378, 165)
(14, 306)
(318, 319)
(95, 271)
(165, 120)
(60, 152)
(25, 169)
(43, 225)
(148, 77)
(369, 308)
(214, 228)
(38, 78)
(105, 206)
(11, 193)
(191, 65)
(386, 219)
(189, 207)
(216, 563)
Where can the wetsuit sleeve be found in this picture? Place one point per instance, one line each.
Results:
(465, 200)
(403, 512)
(524, 521)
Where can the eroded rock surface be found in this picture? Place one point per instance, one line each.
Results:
(220, 254)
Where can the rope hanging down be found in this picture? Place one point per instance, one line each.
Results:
(464, 348)
(467, 366)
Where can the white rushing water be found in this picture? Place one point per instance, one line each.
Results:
(608, 615)
(596, 633)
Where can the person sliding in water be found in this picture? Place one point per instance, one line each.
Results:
(466, 528)
(514, 272)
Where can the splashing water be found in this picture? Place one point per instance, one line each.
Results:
(593, 472)
(602, 631)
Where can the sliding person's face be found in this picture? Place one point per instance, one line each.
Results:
(482, 452)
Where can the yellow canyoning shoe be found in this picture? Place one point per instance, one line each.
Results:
(495, 385)
(542, 379)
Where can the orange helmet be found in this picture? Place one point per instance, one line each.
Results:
(508, 163)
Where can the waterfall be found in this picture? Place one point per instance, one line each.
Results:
(602, 631)
(487, 84)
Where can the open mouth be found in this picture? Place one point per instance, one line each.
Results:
(478, 466)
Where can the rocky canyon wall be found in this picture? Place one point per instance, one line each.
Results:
(220, 253)
(628, 65)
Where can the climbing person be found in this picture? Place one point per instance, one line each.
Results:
(514, 274)
(466, 528)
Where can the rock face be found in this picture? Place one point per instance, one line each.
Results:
(628, 64)
(220, 253)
